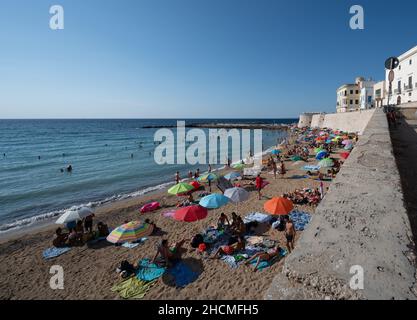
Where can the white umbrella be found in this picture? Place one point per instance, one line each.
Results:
(74, 214)
(237, 194)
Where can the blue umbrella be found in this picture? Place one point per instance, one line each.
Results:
(214, 201)
(233, 175)
(275, 151)
(322, 154)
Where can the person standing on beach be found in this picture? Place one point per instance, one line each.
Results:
(258, 183)
(274, 168)
(289, 234)
(282, 169)
(190, 174)
(88, 223)
(209, 168)
(177, 177)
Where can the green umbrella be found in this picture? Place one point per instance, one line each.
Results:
(239, 166)
(179, 188)
(317, 150)
(296, 158)
(326, 163)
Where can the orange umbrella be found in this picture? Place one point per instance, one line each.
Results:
(279, 206)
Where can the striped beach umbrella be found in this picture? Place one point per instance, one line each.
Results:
(180, 188)
(130, 232)
(214, 201)
(208, 177)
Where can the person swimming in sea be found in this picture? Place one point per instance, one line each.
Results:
(69, 168)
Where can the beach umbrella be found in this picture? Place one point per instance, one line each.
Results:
(345, 155)
(180, 188)
(214, 201)
(328, 141)
(278, 205)
(275, 151)
(233, 176)
(190, 213)
(326, 163)
(130, 232)
(207, 177)
(317, 150)
(236, 194)
(74, 215)
(296, 158)
(238, 166)
(322, 154)
(195, 184)
(348, 147)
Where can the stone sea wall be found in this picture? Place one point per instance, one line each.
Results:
(361, 224)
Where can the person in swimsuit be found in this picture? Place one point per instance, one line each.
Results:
(289, 234)
(264, 256)
(169, 254)
(230, 249)
(258, 184)
(274, 168)
(60, 239)
(223, 222)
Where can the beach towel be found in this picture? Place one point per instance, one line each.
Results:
(300, 219)
(133, 288)
(148, 271)
(254, 240)
(265, 264)
(230, 260)
(182, 274)
(54, 252)
(131, 245)
(296, 176)
(257, 216)
(169, 214)
(311, 168)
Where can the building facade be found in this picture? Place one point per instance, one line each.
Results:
(347, 98)
(366, 94)
(404, 86)
(379, 94)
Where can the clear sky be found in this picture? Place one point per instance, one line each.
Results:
(191, 58)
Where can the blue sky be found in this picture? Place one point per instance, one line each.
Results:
(191, 58)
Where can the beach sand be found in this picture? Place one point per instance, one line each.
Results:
(89, 271)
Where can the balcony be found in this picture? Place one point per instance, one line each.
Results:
(397, 91)
(408, 88)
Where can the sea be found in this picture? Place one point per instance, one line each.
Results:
(112, 159)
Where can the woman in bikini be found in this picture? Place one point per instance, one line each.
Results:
(168, 254)
(264, 256)
(228, 250)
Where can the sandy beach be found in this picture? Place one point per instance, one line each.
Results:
(89, 270)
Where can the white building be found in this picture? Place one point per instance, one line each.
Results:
(347, 98)
(404, 86)
(366, 94)
(380, 94)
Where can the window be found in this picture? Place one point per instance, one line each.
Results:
(411, 61)
(399, 86)
(399, 67)
(351, 91)
(356, 101)
(357, 91)
(410, 82)
(351, 101)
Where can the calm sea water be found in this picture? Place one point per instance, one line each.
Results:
(33, 189)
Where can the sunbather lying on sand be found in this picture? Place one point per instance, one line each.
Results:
(228, 250)
(264, 256)
(169, 254)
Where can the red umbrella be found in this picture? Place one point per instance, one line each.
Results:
(195, 184)
(190, 213)
(345, 155)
